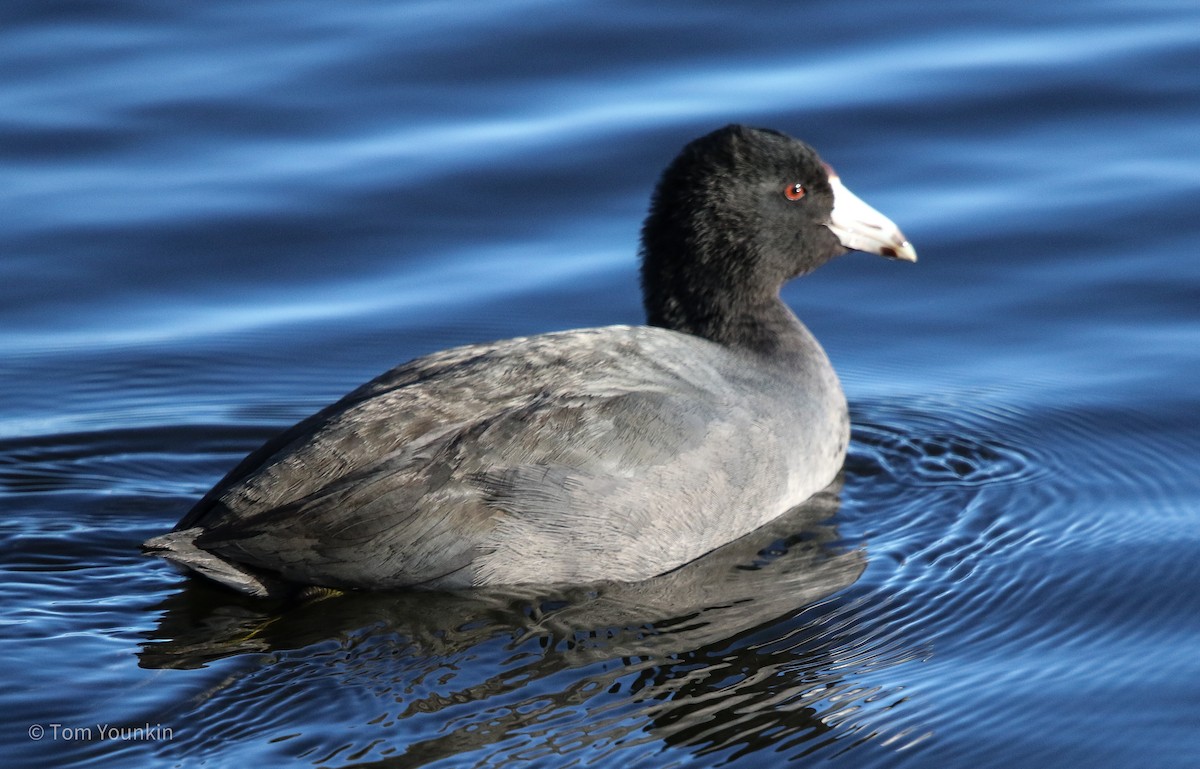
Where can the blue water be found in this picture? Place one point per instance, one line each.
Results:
(217, 217)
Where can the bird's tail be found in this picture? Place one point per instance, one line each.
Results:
(180, 549)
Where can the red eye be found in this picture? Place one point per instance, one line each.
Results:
(793, 191)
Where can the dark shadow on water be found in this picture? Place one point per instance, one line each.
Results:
(735, 652)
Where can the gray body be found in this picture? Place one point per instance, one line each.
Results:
(613, 453)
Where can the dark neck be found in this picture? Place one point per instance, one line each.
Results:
(766, 327)
(701, 277)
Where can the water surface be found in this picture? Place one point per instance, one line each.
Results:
(217, 219)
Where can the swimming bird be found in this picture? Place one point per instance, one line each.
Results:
(599, 454)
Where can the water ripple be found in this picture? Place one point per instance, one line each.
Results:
(926, 450)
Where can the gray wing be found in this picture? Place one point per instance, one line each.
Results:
(484, 464)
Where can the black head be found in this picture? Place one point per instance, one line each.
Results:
(737, 214)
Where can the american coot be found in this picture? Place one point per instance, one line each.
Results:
(613, 453)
